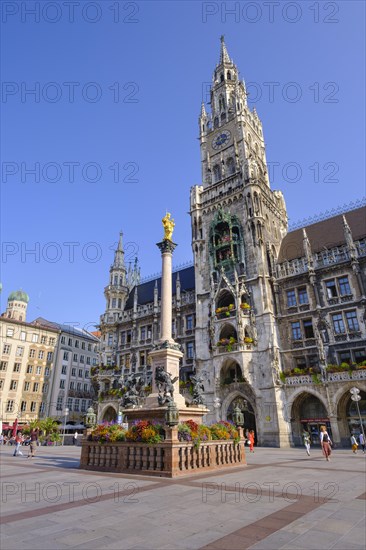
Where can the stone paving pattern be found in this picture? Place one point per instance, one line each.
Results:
(282, 499)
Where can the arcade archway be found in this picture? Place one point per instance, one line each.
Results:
(248, 411)
(308, 413)
(109, 415)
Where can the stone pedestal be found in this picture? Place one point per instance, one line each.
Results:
(167, 358)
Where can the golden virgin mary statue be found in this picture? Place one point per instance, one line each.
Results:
(168, 224)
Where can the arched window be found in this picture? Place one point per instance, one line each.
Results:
(229, 75)
(230, 163)
(221, 102)
(217, 173)
(216, 122)
(121, 281)
(256, 204)
(221, 78)
(223, 117)
(115, 280)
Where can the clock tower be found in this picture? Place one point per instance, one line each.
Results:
(238, 224)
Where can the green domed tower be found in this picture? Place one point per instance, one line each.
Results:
(17, 305)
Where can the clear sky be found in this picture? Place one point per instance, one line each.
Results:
(111, 128)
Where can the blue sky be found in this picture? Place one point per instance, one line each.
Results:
(118, 98)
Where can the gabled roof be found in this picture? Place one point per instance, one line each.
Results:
(75, 331)
(145, 291)
(325, 234)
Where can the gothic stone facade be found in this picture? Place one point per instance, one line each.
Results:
(255, 305)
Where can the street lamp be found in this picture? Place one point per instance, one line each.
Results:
(66, 411)
(355, 396)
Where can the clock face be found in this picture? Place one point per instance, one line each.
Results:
(221, 139)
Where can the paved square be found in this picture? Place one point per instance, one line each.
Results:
(282, 499)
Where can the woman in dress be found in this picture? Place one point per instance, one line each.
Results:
(325, 442)
(251, 441)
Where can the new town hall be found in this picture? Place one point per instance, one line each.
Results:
(273, 320)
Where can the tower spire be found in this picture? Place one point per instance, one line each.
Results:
(224, 56)
(119, 255)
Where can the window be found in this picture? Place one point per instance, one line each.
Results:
(43, 339)
(217, 173)
(75, 357)
(19, 352)
(80, 373)
(129, 337)
(35, 338)
(49, 356)
(40, 354)
(189, 322)
(344, 287)
(303, 295)
(308, 328)
(10, 406)
(76, 405)
(33, 406)
(69, 342)
(52, 341)
(62, 384)
(313, 360)
(6, 349)
(23, 406)
(338, 323)
(23, 335)
(76, 343)
(190, 350)
(44, 388)
(94, 361)
(59, 404)
(82, 358)
(142, 358)
(86, 374)
(26, 386)
(10, 332)
(47, 371)
(3, 365)
(13, 385)
(39, 370)
(143, 333)
(88, 360)
(17, 367)
(32, 353)
(42, 408)
(69, 403)
(352, 322)
(300, 362)
(83, 405)
(331, 288)
(82, 345)
(64, 369)
(66, 355)
(78, 386)
(73, 371)
(29, 369)
(89, 347)
(296, 331)
(72, 385)
(1, 384)
(344, 356)
(63, 339)
(35, 386)
(86, 387)
(291, 298)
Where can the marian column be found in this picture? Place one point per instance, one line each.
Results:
(166, 354)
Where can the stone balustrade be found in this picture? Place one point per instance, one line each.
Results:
(171, 458)
(345, 376)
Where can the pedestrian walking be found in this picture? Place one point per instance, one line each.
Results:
(325, 442)
(75, 438)
(18, 441)
(1, 439)
(362, 442)
(251, 441)
(307, 441)
(354, 444)
(33, 443)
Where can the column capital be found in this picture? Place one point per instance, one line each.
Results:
(166, 246)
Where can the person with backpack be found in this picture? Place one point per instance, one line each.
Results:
(325, 442)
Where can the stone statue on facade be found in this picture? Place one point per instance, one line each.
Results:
(164, 383)
(168, 224)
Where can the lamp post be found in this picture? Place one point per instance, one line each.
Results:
(66, 411)
(355, 396)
